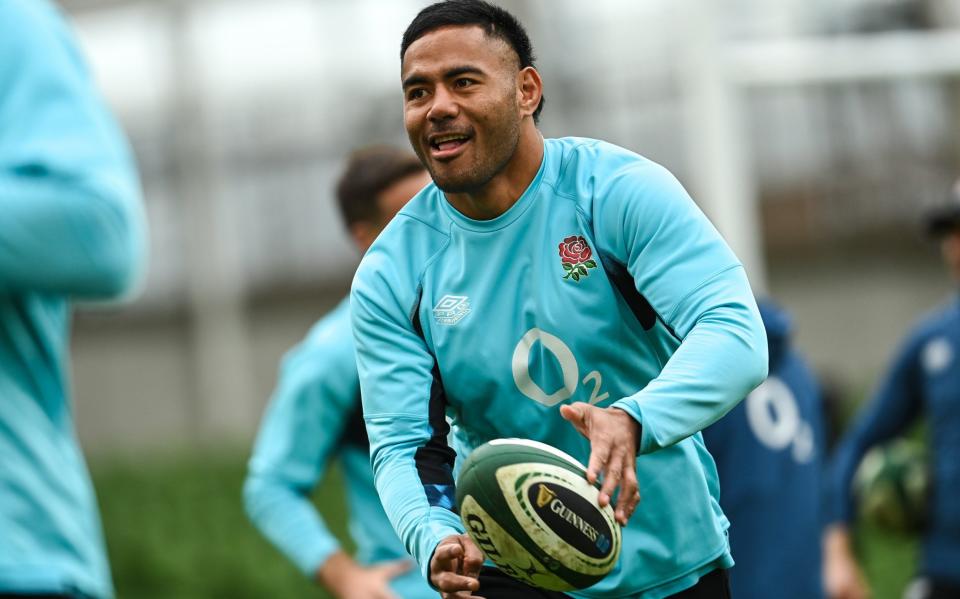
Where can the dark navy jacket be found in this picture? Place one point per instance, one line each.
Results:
(924, 379)
(769, 454)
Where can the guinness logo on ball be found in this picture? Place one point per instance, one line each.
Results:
(544, 495)
(572, 518)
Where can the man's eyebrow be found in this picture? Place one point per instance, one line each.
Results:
(449, 74)
(466, 70)
(414, 80)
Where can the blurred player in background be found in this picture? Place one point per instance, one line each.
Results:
(923, 381)
(315, 417)
(769, 452)
(538, 272)
(71, 228)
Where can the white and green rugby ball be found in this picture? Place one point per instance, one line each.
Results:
(530, 509)
(892, 487)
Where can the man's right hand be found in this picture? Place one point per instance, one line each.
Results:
(842, 577)
(347, 579)
(455, 567)
(614, 436)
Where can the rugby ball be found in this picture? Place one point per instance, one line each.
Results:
(892, 486)
(529, 508)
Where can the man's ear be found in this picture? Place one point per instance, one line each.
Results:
(529, 90)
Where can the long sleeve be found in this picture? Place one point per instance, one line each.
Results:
(70, 216)
(316, 394)
(697, 290)
(403, 405)
(894, 407)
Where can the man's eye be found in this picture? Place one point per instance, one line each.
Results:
(416, 94)
(462, 82)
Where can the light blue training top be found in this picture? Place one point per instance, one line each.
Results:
(603, 283)
(313, 418)
(70, 227)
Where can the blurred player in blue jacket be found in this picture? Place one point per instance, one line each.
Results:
(923, 382)
(314, 417)
(769, 452)
(70, 228)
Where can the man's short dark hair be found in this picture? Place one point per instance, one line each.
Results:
(944, 219)
(495, 21)
(369, 171)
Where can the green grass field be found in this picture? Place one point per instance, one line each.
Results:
(175, 528)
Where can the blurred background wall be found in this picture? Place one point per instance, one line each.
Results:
(813, 132)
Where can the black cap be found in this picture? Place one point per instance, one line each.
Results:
(945, 218)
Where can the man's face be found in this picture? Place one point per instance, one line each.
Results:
(950, 248)
(389, 202)
(461, 105)
(395, 197)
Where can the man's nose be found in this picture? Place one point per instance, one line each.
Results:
(444, 105)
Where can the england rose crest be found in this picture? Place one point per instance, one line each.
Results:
(575, 255)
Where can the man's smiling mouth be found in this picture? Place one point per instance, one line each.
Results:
(447, 145)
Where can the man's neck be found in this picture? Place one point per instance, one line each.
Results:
(500, 193)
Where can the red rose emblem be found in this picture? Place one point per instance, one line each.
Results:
(574, 250)
(576, 257)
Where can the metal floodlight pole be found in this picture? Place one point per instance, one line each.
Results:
(845, 59)
(222, 402)
(716, 75)
(722, 179)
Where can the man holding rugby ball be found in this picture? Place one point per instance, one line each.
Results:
(537, 281)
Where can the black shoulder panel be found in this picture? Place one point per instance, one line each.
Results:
(638, 304)
(355, 431)
(435, 459)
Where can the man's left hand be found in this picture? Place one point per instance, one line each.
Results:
(614, 436)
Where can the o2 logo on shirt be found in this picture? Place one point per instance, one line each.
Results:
(937, 355)
(568, 367)
(774, 418)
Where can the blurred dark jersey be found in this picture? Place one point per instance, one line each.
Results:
(769, 454)
(924, 379)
